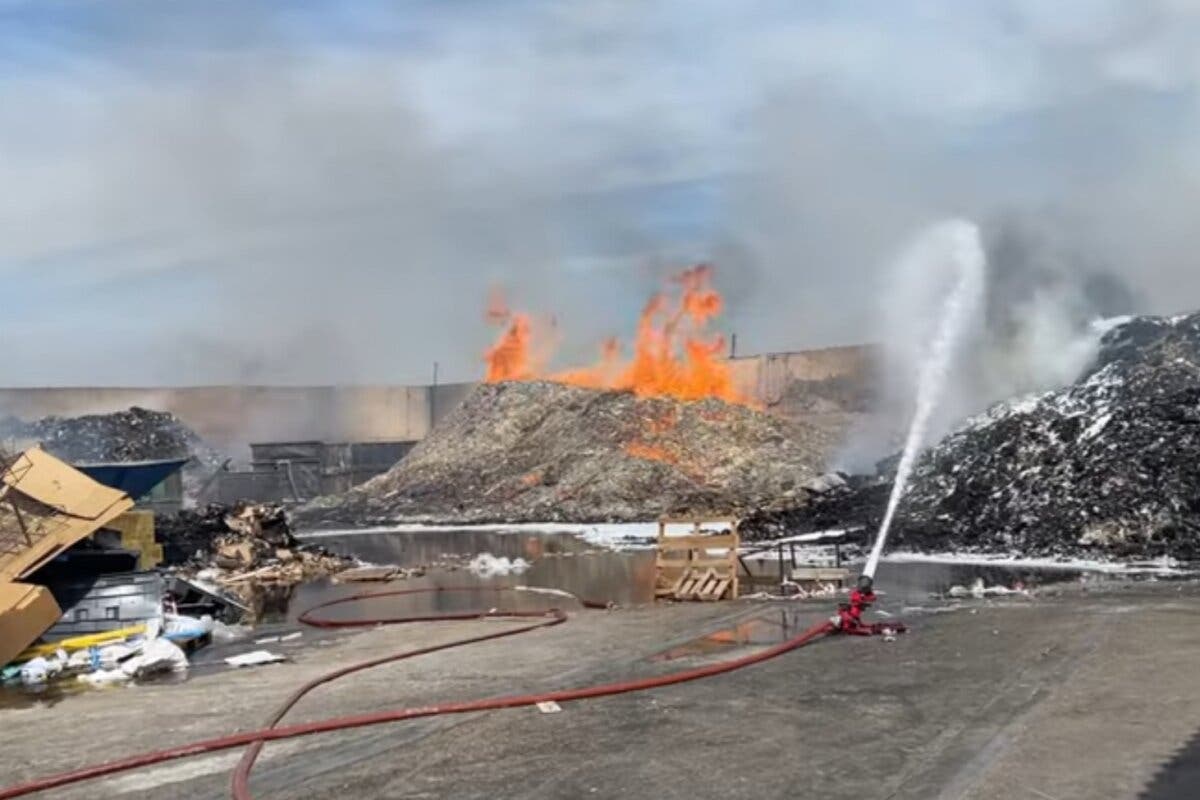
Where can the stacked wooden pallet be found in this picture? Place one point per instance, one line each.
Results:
(706, 585)
(700, 565)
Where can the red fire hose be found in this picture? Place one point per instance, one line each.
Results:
(256, 739)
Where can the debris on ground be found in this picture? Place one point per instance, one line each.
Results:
(540, 451)
(143, 652)
(370, 574)
(979, 590)
(242, 550)
(1105, 467)
(255, 658)
(136, 434)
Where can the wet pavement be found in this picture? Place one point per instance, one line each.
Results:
(560, 562)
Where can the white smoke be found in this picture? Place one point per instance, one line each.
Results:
(950, 249)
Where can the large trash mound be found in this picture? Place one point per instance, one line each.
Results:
(540, 451)
(1106, 467)
(136, 434)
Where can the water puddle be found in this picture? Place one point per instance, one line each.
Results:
(764, 630)
(560, 562)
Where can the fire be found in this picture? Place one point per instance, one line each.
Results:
(650, 452)
(673, 354)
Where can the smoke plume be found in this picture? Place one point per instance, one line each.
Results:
(220, 192)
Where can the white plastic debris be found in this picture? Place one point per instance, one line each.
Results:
(487, 565)
(549, 707)
(158, 655)
(229, 633)
(254, 659)
(39, 670)
(179, 627)
(103, 677)
(978, 590)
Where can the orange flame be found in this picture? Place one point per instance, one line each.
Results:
(673, 355)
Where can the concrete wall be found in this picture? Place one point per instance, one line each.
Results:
(766, 377)
(230, 417)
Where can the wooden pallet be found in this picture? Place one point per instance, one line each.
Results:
(707, 585)
(699, 565)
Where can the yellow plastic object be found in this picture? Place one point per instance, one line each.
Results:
(137, 533)
(80, 642)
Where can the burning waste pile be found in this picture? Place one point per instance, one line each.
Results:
(137, 434)
(242, 549)
(1104, 468)
(664, 429)
(538, 451)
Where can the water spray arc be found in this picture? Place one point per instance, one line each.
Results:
(957, 242)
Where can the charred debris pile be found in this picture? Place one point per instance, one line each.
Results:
(1106, 467)
(136, 434)
(542, 451)
(242, 548)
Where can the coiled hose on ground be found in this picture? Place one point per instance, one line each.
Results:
(255, 740)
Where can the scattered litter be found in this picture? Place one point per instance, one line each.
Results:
(549, 707)
(254, 659)
(157, 655)
(291, 637)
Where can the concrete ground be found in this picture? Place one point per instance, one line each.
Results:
(1074, 694)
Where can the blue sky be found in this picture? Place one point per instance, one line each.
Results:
(203, 191)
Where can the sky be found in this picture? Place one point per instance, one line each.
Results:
(224, 191)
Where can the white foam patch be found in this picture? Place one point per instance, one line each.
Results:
(1164, 566)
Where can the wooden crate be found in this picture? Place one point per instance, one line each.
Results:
(697, 565)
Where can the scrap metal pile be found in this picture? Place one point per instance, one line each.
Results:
(136, 434)
(542, 451)
(242, 549)
(1105, 467)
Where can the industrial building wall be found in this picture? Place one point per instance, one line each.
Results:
(767, 377)
(230, 417)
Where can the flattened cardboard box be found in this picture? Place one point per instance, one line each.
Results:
(26, 611)
(46, 506)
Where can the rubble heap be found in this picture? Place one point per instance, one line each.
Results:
(242, 548)
(1105, 467)
(540, 451)
(137, 434)
(836, 501)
